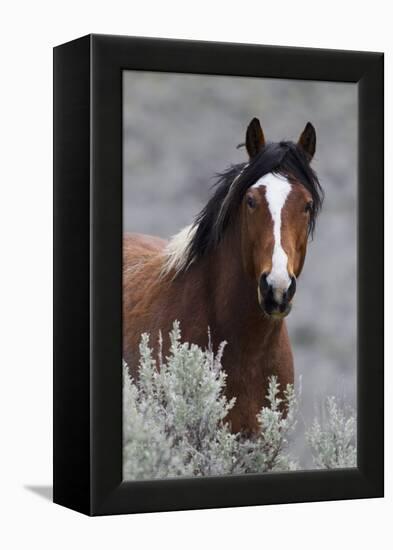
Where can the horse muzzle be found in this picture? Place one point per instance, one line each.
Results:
(275, 302)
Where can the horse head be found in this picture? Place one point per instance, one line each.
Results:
(277, 215)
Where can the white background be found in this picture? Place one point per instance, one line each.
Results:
(28, 31)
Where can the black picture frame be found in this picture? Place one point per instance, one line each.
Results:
(87, 274)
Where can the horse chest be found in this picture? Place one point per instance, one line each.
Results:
(249, 364)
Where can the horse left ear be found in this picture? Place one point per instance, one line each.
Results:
(255, 140)
(308, 140)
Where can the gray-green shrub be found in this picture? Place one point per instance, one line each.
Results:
(333, 441)
(174, 419)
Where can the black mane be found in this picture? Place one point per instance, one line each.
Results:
(284, 158)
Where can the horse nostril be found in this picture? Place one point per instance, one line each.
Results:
(291, 289)
(263, 284)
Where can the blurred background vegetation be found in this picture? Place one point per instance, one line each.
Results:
(180, 130)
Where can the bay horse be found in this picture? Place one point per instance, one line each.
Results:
(233, 270)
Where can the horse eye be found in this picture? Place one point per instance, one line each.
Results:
(308, 206)
(251, 202)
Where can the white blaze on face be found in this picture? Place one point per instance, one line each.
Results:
(277, 189)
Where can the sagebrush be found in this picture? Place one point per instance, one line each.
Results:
(174, 420)
(333, 442)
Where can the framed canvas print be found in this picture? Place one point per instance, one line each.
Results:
(218, 275)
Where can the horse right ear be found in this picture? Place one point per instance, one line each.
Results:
(308, 141)
(255, 140)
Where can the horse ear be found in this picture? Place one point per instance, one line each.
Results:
(308, 141)
(255, 140)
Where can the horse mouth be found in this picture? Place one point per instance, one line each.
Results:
(272, 309)
(277, 314)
